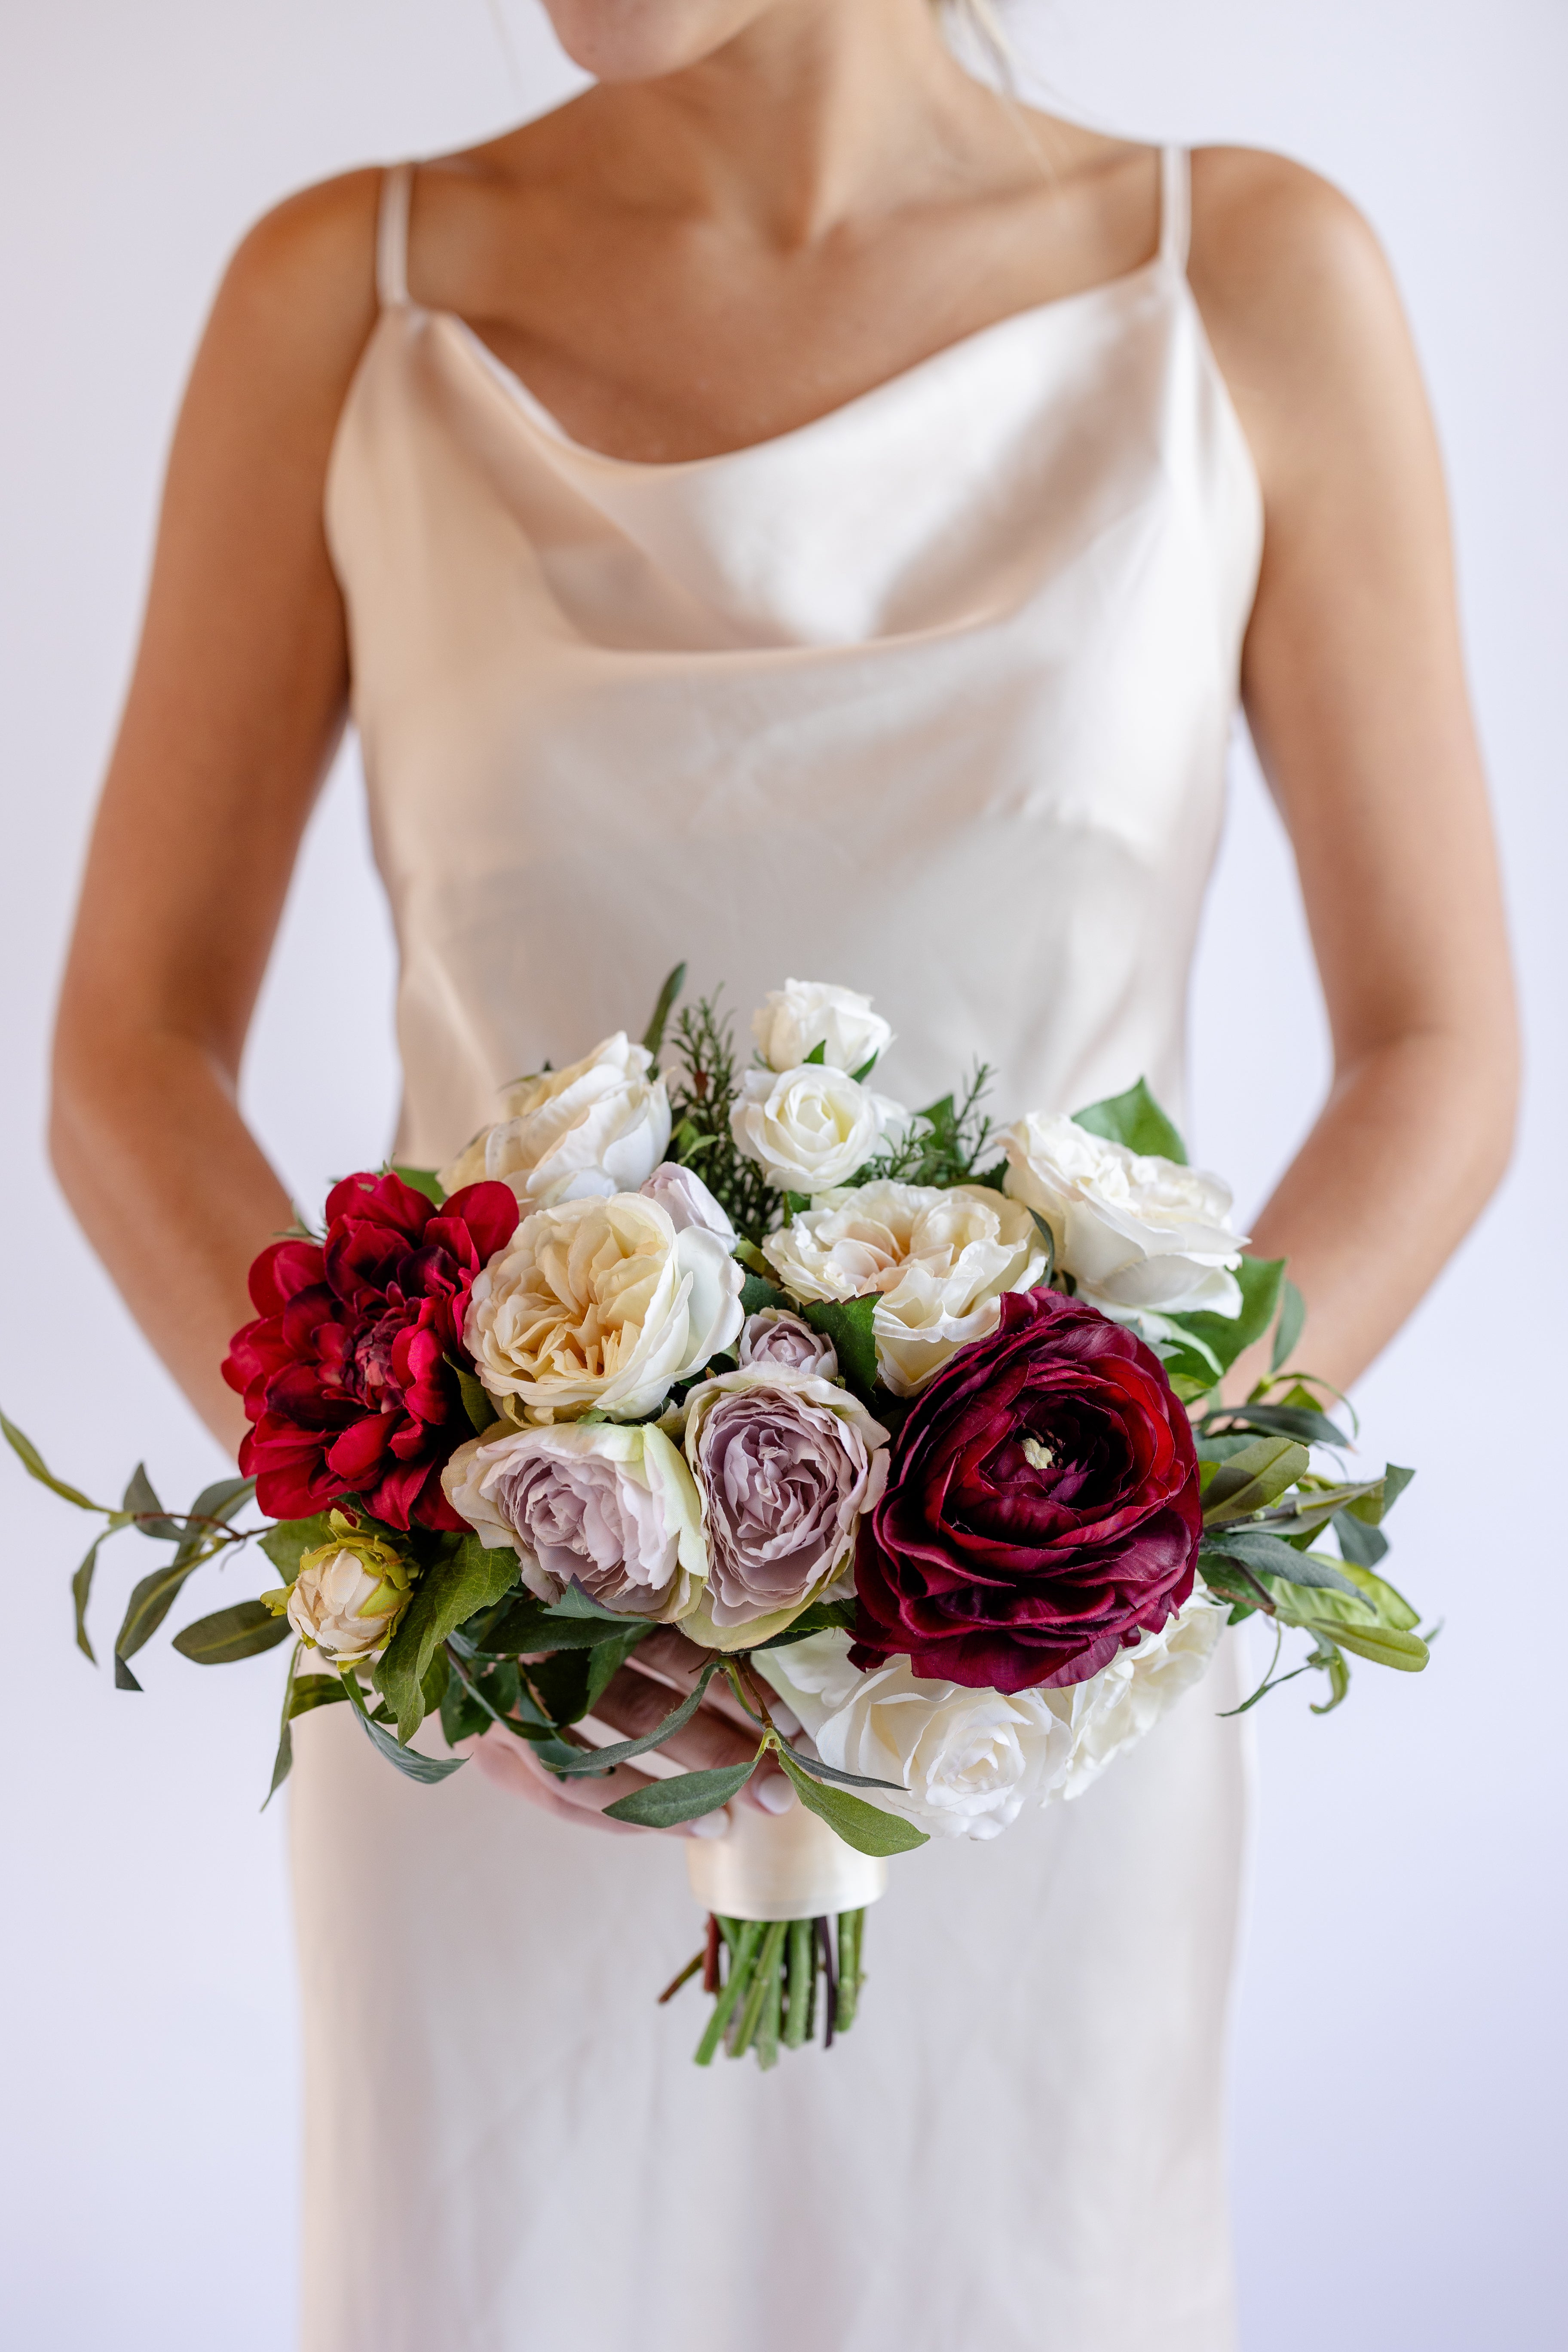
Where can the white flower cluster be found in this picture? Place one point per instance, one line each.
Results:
(968, 1762)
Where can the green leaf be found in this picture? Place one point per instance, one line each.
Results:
(653, 1035)
(313, 1690)
(757, 1294)
(605, 1759)
(1287, 1331)
(427, 1769)
(243, 1631)
(211, 1512)
(1390, 1605)
(607, 1660)
(1227, 1336)
(1367, 1546)
(1135, 1119)
(865, 1827)
(141, 1505)
(32, 1463)
(123, 1677)
(530, 1629)
(462, 1716)
(864, 1072)
(1252, 1478)
(1381, 1644)
(470, 1579)
(283, 1762)
(150, 1603)
(818, 1617)
(1267, 1557)
(420, 1180)
(1395, 1481)
(796, 1204)
(817, 1055)
(289, 1539)
(662, 1803)
(1312, 1428)
(1326, 1655)
(1373, 1507)
(848, 1323)
(478, 1402)
(82, 1589)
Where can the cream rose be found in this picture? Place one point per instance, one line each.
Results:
(600, 1304)
(609, 1508)
(940, 1261)
(1137, 1233)
(1119, 1706)
(967, 1762)
(810, 1128)
(347, 1597)
(599, 1126)
(794, 1020)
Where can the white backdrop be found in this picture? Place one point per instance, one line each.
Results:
(1399, 2075)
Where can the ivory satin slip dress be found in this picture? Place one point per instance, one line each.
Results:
(931, 696)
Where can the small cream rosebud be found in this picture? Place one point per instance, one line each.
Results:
(348, 1595)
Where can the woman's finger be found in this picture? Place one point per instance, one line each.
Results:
(634, 1704)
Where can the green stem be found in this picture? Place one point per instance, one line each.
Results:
(797, 2023)
(757, 1992)
(773, 2009)
(848, 1967)
(743, 1953)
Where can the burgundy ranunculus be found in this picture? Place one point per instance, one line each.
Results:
(345, 1372)
(1041, 1508)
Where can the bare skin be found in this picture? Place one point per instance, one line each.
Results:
(762, 209)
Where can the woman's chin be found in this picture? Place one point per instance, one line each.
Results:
(640, 40)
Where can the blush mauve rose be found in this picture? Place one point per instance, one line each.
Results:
(346, 1371)
(1041, 1510)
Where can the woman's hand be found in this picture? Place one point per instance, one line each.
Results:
(660, 1672)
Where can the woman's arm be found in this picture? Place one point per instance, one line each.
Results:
(235, 709)
(1354, 688)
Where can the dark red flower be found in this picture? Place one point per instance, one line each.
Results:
(1041, 1508)
(345, 1371)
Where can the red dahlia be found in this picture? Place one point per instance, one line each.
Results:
(345, 1372)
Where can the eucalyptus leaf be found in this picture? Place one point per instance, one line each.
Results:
(283, 1762)
(32, 1463)
(621, 1751)
(664, 1803)
(243, 1631)
(123, 1677)
(147, 1514)
(1252, 1478)
(1292, 1319)
(1267, 1556)
(1312, 1427)
(469, 1578)
(427, 1769)
(150, 1603)
(81, 1591)
(865, 1827)
(1367, 1546)
(819, 1770)
(1136, 1120)
(653, 1035)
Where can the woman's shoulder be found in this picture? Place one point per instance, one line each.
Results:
(1296, 294)
(298, 299)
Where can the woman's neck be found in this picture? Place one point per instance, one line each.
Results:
(818, 110)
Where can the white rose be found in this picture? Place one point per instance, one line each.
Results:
(810, 1128)
(597, 1128)
(966, 1761)
(939, 1260)
(688, 1201)
(795, 1019)
(347, 1598)
(1113, 1710)
(610, 1508)
(1138, 1235)
(600, 1304)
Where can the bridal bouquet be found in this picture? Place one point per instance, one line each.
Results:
(910, 1426)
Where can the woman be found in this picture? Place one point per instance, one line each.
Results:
(792, 508)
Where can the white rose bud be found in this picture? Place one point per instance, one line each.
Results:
(795, 1019)
(811, 1128)
(687, 1200)
(347, 1597)
(939, 1260)
(1137, 1233)
(600, 1304)
(599, 1126)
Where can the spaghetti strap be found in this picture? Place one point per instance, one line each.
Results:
(392, 237)
(1175, 205)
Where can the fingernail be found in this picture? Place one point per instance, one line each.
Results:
(709, 1825)
(775, 1794)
